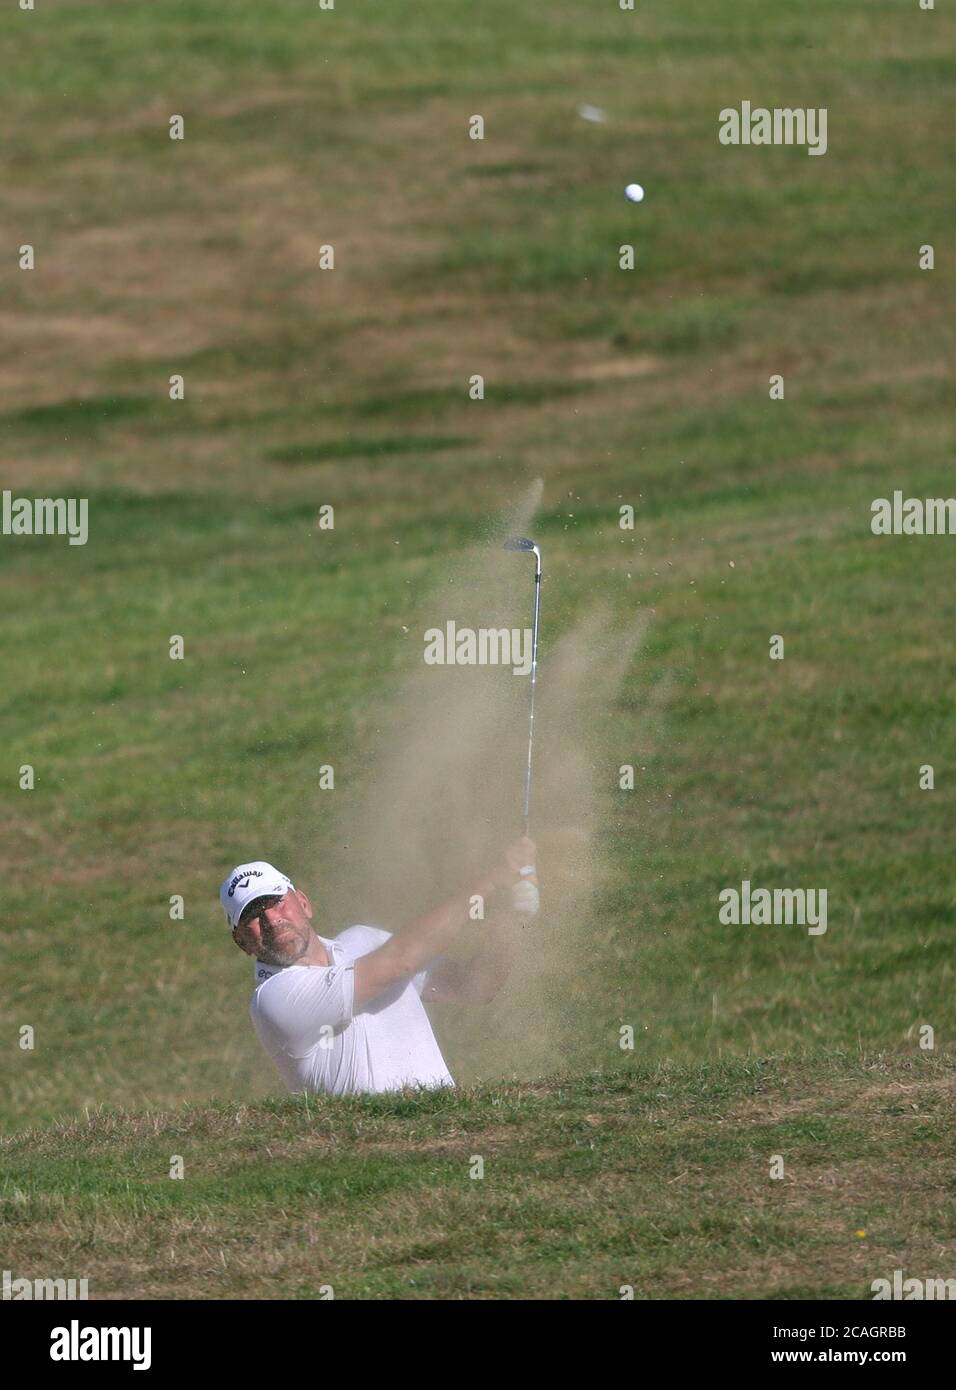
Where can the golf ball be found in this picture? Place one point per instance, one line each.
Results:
(634, 193)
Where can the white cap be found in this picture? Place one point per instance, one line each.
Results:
(248, 882)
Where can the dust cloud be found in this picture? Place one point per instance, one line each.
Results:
(441, 795)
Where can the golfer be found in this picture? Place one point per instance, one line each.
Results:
(346, 1014)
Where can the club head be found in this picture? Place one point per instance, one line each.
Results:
(531, 547)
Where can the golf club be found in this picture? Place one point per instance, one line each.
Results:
(522, 543)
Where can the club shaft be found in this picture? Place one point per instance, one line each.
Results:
(531, 687)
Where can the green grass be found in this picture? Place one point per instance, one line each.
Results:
(352, 447)
(351, 387)
(653, 1178)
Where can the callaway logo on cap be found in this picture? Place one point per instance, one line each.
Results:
(248, 882)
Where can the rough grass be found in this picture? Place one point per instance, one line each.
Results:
(656, 1178)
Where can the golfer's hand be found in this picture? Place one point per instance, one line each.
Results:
(519, 855)
(525, 900)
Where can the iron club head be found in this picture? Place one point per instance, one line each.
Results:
(530, 547)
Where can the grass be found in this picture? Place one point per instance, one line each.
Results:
(652, 1178)
(303, 387)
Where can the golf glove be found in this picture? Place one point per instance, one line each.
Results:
(524, 894)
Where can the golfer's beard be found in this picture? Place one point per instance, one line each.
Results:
(288, 955)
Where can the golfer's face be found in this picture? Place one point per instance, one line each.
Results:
(276, 929)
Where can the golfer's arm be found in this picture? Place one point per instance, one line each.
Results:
(477, 981)
(410, 949)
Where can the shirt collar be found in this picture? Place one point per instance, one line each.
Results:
(262, 971)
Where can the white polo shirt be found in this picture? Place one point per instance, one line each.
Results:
(304, 1018)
